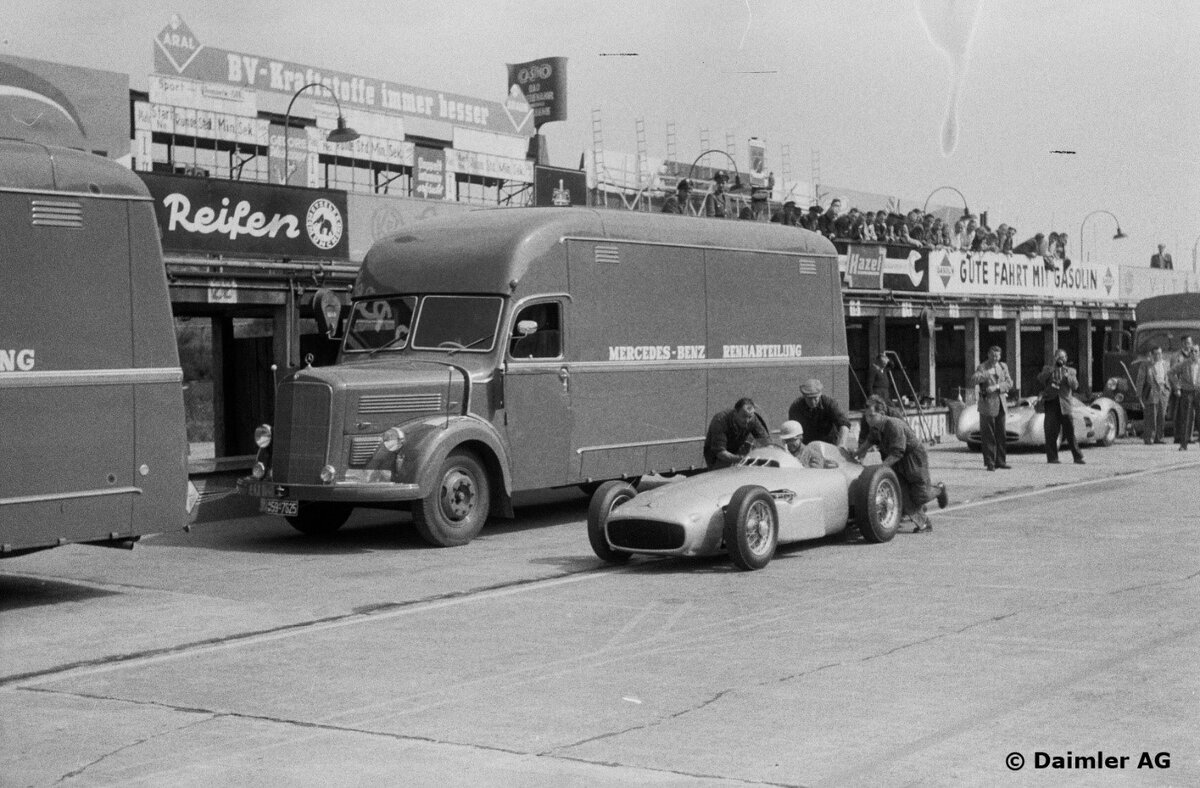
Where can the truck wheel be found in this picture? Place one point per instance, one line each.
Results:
(320, 518)
(751, 527)
(607, 497)
(878, 503)
(458, 506)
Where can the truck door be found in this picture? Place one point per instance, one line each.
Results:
(537, 397)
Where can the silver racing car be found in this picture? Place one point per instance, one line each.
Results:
(768, 498)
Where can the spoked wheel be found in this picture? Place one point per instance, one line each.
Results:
(1114, 427)
(878, 503)
(751, 527)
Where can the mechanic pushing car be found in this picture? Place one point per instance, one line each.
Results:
(732, 433)
(820, 415)
(906, 455)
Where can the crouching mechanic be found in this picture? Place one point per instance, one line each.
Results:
(906, 455)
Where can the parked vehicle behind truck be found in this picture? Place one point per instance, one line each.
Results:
(520, 349)
(91, 403)
(1162, 321)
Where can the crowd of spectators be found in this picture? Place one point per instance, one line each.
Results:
(915, 228)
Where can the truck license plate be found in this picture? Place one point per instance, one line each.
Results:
(276, 506)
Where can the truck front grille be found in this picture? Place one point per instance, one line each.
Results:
(645, 534)
(362, 449)
(302, 416)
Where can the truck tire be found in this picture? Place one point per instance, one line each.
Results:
(751, 527)
(878, 503)
(456, 510)
(320, 518)
(606, 497)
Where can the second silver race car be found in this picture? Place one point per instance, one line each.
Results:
(767, 499)
(1101, 422)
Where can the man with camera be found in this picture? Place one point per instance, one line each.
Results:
(1059, 382)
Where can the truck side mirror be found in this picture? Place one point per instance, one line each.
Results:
(526, 327)
(328, 309)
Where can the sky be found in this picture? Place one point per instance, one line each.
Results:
(857, 91)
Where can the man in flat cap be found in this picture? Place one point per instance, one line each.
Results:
(677, 202)
(820, 415)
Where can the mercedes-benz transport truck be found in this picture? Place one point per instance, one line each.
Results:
(509, 350)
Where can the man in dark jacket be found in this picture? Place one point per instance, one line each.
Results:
(732, 433)
(820, 416)
(1059, 382)
(907, 457)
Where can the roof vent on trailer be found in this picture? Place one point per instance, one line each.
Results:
(56, 213)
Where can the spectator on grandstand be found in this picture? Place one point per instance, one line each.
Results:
(827, 220)
(960, 230)
(904, 232)
(967, 242)
(882, 233)
(677, 202)
(1162, 259)
(1006, 242)
(866, 224)
(1030, 247)
(1001, 234)
(1050, 254)
(841, 227)
(716, 203)
(810, 220)
(787, 215)
(916, 228)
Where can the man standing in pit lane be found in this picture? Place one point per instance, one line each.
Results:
(1185, 381)
(994, 383)
(1059, 383)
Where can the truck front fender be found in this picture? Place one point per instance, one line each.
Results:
(474, 435)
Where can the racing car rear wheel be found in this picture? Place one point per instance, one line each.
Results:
(751, 527)
(608, 496)
(878, 503)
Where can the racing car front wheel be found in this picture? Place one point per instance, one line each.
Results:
(878, 503)
(607, 497)
(751, 527)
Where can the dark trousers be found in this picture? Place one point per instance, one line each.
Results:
(1154, 421)
(1185, 416)
(1058, 422)
(991, 436)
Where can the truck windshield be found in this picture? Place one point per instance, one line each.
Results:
(380, 322)
(458, 323)
(424, 322)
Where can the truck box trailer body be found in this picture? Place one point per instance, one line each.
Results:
(521, 349)
(91, 404)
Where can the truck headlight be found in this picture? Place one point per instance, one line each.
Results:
(262, 436)
(259, 470)
(328, 473)
(393, 439)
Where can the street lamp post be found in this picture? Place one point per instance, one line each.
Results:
(342, 133)
(1116, 237)
(966, 210)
